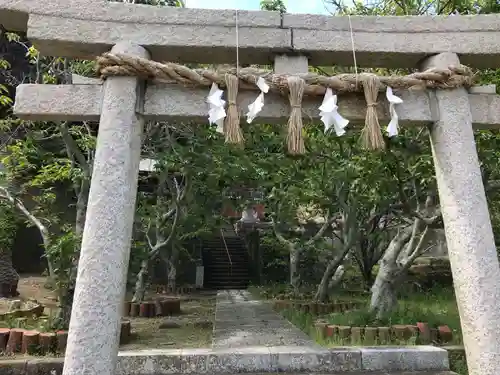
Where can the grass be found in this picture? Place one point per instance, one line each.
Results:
(436, 307)
(458, 364)
(41, 324)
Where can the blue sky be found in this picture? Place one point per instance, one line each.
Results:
(293, 6)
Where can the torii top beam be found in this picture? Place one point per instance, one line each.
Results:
(84, 29)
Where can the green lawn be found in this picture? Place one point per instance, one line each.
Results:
(436, 307)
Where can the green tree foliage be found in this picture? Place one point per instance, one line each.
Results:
(273, 5)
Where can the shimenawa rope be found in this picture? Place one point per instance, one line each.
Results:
(109, 65)
(296, 86)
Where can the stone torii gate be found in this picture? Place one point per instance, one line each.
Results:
(85, 29)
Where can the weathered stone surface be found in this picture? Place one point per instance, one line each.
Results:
(105, 249)
(469, 234)
(177, 103)
(131, 13)
(13, 366)
(181, 43)
(290, 359)
(44, 366)
(410, 358)
(241, 321)
(392, 24)
(76, 101)
(484, 89)
(83, 29)
(394, 50)
(300, 359)
(285, 64)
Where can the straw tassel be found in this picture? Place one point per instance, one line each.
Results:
(295, 141)
(232, 130)
(371, 135)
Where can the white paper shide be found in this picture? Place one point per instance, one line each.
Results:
(329, 114)
(392, 128)
(216, 113)
(256, 106)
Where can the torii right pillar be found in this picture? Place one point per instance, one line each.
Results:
(469, 235)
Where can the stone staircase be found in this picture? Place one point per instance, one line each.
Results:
(226, 262)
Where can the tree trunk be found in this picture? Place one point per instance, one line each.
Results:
(140, 284)
(383, 300)
(322, 292)
(172, 269)
(294, 268)
(336, 278)
(331, 278)
(66, 294)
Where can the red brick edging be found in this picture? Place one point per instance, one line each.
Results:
(18, 340)
(316, 308)
(151, 309)
(370, 335)
(187, 289)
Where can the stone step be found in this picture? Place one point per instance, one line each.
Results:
(420, 360)
(227, 265)
(235, 279)
(227, 284)
(179, 361)
(226, 287)
(223, 253)
(232, 256)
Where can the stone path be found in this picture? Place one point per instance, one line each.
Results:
(242, 321)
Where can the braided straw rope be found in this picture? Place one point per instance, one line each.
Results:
(123, 65)
(310, 84)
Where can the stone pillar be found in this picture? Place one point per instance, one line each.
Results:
(100, 285)
(469, 234)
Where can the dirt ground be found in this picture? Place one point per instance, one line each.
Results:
(192, 328)
(34, 287)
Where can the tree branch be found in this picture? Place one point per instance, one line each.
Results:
(321, 232)
(279, 236)
(418, 251)
(73, 150)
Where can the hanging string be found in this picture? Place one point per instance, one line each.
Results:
(353, 49)
(237, 44)
(232, 129)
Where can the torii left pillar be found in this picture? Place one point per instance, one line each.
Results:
(94, 330)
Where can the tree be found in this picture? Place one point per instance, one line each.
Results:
(273, 5)
(41, 158)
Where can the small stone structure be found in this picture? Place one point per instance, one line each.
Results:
(85, 29)
(21, 309)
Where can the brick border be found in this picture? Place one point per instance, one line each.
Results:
(316, 308)
(31, 342)
(186, 289)
(423, 334)
(151, 309)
